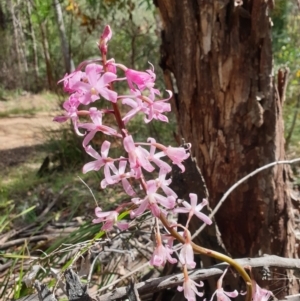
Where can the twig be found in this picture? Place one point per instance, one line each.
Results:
(20, 241)
(239, 183)
(121, 278)
(92, 268)
(14, 232)
(5, 265)
(86, 185)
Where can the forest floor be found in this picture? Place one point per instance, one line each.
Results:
(43, 213)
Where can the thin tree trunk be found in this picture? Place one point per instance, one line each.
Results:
(22, 45)
(33, 42)
(45, 44)
(69, 64)
(228, 107)
(11, 7)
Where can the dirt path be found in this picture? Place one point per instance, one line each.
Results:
(25, 122)
(25, 119)
(25, 131)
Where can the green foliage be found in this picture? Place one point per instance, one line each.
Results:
(162, 132)
(65, 149)
(286, 45)
(18, 111)
(133, 23)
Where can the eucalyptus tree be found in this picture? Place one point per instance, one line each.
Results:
(217, 58)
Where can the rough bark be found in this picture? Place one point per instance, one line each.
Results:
(218, 56)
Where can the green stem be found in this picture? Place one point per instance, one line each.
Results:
(214, 254)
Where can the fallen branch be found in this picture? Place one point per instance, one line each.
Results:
(158, 284)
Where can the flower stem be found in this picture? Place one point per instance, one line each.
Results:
(214, 254)
(117, 114)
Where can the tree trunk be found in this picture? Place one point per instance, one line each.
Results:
(22, 44)
(228, 107)
(47, 58)
(33, 43)
(69, 64)
(11, 7)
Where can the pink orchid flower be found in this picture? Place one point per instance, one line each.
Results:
(111, 67)
(161, 254)
(137, 156)
(151, 201)
(156, 108)
(189, 287)
(119, 175)
(220, 293)
(96, 126)
(71, 79)
(162, 183)
(155, 157)
(96, 84)
(186, 255)
(260, 294)
(71, 106)
(109, 218)
(193, 208)
(135, 102)
(177, 155)
(100, 161)
(141, 80)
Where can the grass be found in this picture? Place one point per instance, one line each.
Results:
(23, 198)
(18, 111)
(37, 192)
(14, 103)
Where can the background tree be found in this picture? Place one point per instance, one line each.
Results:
(218, 56)
(69, 64)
